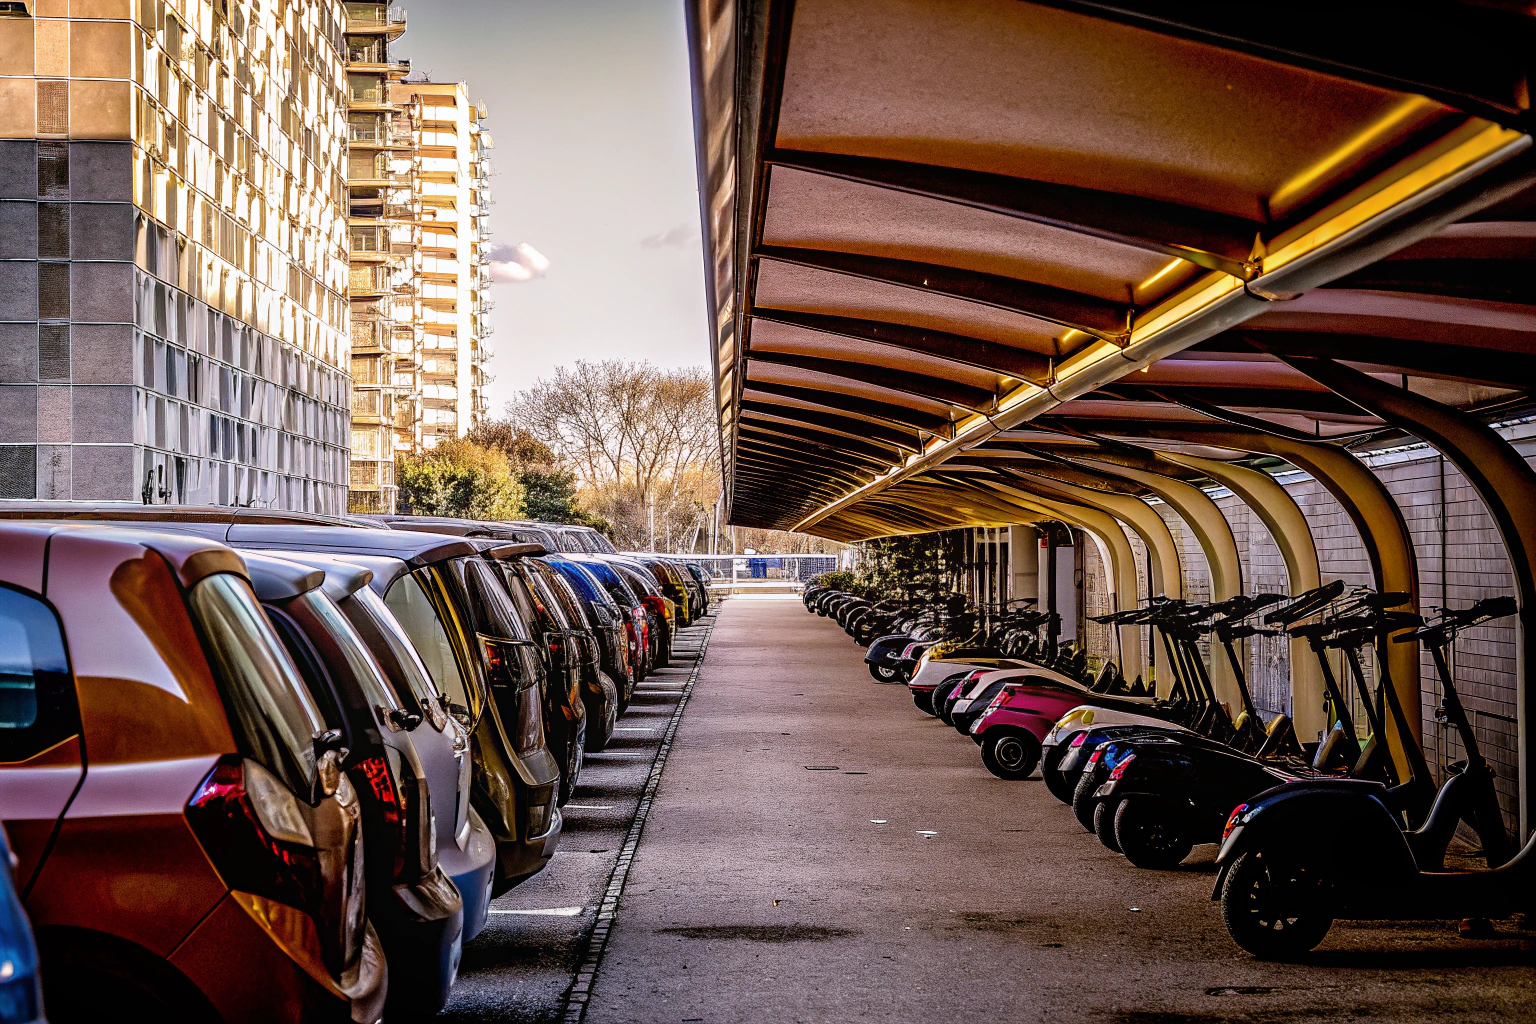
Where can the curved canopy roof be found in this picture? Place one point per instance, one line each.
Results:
(958, 249)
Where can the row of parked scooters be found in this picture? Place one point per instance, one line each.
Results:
(262, 766)
(1308, 831)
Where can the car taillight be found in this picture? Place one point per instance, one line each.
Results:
(530, 722)
(1120, 768)
(405, 816)
(253, 831)
(1233, 821)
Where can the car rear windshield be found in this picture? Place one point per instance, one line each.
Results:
(360, 664)
(414, 611)
(368, 612)
(276, 719)
(617, 588)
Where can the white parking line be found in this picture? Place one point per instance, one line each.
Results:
(556, 912)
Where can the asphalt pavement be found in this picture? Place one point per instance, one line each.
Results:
(522, 968)
(818, 850)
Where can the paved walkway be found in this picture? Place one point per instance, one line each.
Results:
(764, 891)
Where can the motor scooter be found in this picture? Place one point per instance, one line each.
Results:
(1010, 727)
(1063, 754)
(1299, 856)
(1170, 793)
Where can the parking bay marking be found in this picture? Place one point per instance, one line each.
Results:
(556, 912)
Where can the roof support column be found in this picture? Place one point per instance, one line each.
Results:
(1214, 533)
(1507, 485)
(1375, 515)
(1114, 548)
(1282, 516)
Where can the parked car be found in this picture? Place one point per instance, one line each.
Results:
(515, 778)
(607, 622)
(699, 584)
(466, 850)
(450, 601)
(636, 624)
(190, 847)
(672, 585)
(21, 992)
(565, 710)
(599, 690)
(660, 610)
(575, 697)
(411, 902)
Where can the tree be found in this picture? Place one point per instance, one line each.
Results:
(516, 443)
(549, 490)
(460, 479)
(642, 442)
(551, 497)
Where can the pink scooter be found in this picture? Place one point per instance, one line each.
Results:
(1013, 726)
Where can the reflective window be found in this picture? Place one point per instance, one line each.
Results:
(372, 616)
(275, 716)
(359, 662)
(414, 611)
(37, 698)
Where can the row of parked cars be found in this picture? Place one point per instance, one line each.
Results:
(265, 766)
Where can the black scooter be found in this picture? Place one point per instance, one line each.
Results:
(1167, 793)
(1299, 856)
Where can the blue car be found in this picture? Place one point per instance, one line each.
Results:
(21, 997)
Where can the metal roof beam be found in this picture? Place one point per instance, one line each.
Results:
(919, 385)
(852, 426)
(1211, 240)
(1090, 314)
(1475, 58)
(900, 415)
(1018, 363)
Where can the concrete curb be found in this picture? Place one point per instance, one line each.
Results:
(580, 993)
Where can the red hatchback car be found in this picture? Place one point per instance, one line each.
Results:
(189, 847)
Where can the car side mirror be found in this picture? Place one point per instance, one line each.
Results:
(404, 720)
(329, 756)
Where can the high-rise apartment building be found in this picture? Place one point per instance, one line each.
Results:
(382, 236)
(451, 165)
(173, 251)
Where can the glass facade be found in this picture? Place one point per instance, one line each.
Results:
(173, 238)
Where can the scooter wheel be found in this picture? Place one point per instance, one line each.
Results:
(1011, 755)
(882, 673)
(1104, 824)
(1082, 796)
(923, 701)
(1059, 785)
(937, 698)
(1151, 834)
(1258, 906)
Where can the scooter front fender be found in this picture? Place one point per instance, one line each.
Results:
(1342, 824)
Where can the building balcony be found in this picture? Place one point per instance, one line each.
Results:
(364, 19)
(364, 64)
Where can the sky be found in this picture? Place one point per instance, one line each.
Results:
(590, 109)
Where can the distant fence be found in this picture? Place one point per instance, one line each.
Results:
(731, 569)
